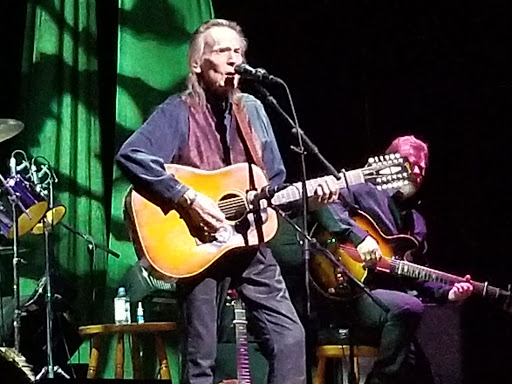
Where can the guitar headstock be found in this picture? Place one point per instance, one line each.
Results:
(234, 300)
(387, 171)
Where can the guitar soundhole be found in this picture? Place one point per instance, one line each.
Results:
(233, 206)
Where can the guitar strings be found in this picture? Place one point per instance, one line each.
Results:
(231, 206)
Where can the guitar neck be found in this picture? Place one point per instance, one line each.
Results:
(405, 268)
(242, 346)
(293, 192)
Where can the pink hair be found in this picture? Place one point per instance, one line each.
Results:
(409, 146)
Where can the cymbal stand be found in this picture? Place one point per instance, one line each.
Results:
(15, 202)
(49, 369)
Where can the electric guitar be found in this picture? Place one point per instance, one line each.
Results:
(327, 275)
(243, 371)
(166, 242)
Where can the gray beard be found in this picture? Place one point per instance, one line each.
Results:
(407, 190)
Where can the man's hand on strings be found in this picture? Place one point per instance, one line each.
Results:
(461, 291)
(202, 215)
(326, 192)
(369, 251)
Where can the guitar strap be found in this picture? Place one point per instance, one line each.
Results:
(247, 133)
(254, 155)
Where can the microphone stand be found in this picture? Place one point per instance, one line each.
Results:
(306, 241)
(49, 369)
(317, 247)
(92, 246)
(15, 202)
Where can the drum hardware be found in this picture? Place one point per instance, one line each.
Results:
(32, 204)
(46, 224)
(21, 208)
(29, 208)
(9, 128)
(15, 203)
(42, 179)
(7, 250)
(35, 200)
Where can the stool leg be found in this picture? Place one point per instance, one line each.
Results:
(165, 372)
(356, 368)
(94, 358)
(136, 358)
(120, 356)
(320, 371)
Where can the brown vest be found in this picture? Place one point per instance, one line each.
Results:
(204, 148)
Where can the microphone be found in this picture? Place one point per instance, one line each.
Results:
(259, 74)
(15, 168)
(35, 176)
(266, 193)
(12, 165)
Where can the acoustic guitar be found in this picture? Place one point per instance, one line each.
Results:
(328, 275)
(166, 242)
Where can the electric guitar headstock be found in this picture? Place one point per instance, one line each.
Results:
(387, 171)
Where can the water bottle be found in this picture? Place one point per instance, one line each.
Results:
(140, 313)
(122, 307)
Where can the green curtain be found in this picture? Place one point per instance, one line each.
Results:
(152, 64)
(61, 124)
(61, 89)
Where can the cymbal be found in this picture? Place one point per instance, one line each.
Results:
(9, 128)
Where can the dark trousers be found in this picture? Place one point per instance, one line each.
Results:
(257, 278)
(400, 359)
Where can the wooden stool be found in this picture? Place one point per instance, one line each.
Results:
(97, 331)
(325, 352)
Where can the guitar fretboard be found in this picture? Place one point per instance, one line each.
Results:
(293, 192)
(242, 346)
(405, 268)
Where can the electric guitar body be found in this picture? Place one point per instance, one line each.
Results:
(328, 274)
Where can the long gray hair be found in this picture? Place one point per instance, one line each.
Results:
(196, 52)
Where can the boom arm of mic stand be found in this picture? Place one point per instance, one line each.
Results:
(88, 238)
(310, 147)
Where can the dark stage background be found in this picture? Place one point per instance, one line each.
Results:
(362, 73)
